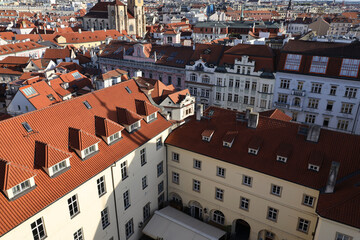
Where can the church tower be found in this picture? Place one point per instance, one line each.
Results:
(136, 8)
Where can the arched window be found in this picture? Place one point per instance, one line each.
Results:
(131, 28)
(193, 77)
(205, 79)
(218, 217)
(297, 102)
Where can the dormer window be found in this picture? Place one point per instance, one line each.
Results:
(207, 135)
(58, 167)
(21, 187)
(115, 137)
(313, 167)
(88, 151)
(134, 126)
(253, 151)
(281, 159)
(227, 144)
(151, 117)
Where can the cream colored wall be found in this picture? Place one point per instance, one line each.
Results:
(327, 229)
(289, 204)
(58, 223)
(85, 44)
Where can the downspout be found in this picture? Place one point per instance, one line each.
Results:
(167, 178)
(356, 119)
(116, 212)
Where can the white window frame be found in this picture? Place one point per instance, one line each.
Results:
(146, 212)
(39, 227)
(303, 225)
(59, 166)
(253, 151)
(124, 172)
(22, 187)
(129, 228)
(114, 137)
(126, 198)
(341, 236)
(101, 185)
(175, 157)
(89, 150)
(220, 172)
(197, 164)
(175, 177)
(272, 214)
(134, 126)
(78, 235)
(349, 67)
(73, 206)
(143, 156)
(218, 217)
(281, 159)
(292, 62)
(219, 194)
(159, 143)
(276, 190)
(244, 203)
(313, 167)
(105, 218)
(319, 64)
(160, 169)
(196, 185)
(144, 183)
(247, 180)
(308, 200)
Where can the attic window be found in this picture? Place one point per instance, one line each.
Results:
(313, 167)
(227, 144)
(58, 167)
(50, 97)
(76, 75)
(27, 127)
(134, 126)
(207, 134)
(128, 89)
(114, 137)
(89, 150)
(21, 187)
(152, 117)
(253, 151)
(87, 104)
(281, 159)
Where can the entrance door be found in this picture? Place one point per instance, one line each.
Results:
(196, 212)
(242, 230)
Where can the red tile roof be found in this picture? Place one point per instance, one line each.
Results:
(144, 108)
(276, 114)
(52, 127)
(105, 127)
(12, 174)
(79, 139)
(47, 155)
(15, 60)
(126, 116)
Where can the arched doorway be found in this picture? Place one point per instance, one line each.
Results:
(175, 201)
(242, 229)
(266, 235)
(196, 210)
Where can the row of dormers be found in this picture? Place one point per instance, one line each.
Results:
(18, 180)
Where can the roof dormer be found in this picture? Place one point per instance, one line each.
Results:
(207, 135)
(53, 160)
(109, 131)
(283, 152)
(146, 109)
(254, 145)
(84, 144)
(229, 138)
(128, 118)
(315, 161)
(16, 180)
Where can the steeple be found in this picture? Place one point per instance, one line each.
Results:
(289, 6)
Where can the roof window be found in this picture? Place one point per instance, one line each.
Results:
(87, 104)
(27, 127)
(207, 135)
(128, 89)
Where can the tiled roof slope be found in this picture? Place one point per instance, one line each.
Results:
(51, 126)
(334, 146)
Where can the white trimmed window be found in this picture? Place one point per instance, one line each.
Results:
(349, 67)
(253, 151)
(316, 87)
(175, 178)
(272, 214)
(193, 77)
(146, 212)
(341, 236)
(350, 92)
(313, 103)
(59, 166)
(129, 228)
(21, 187)
(346, 108)
(105, 218)
(38, 229)
(196, 185)
(143, 156)
(78, 235)
(319, 64)
(281, 159)
(313, 167)
(285, 83)
(126, 196)
(152, 117)
(308, 200)
(219, 194)
(160, 169)
(310, 118)
(220, 172)
(197, 164)
(124, 173)
(73, 206)
(293, 62)
(144, 182)
(159, 143)
(218, 217)
(161, 187)
(276, 190)
(282, 98)
(114, 137)
(244, 203)
(134, 126)
(101, 185)
(303, 225)
(175, 157)
(247, 180)
(89, 150)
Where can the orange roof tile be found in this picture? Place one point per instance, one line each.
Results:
(126, 116)
(105, 127)
(47, 155)
(12, 174)
(144, 108)
(79, 139)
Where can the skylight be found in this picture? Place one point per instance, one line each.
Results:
(27, 127)
(349, 67)
(128, 89)
(293, 62)
(29, 91)
(87, 105)
(76, 75)
(319, 64)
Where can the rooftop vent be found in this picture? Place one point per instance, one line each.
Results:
(334, 169)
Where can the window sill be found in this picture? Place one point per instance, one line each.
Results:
(71, 217)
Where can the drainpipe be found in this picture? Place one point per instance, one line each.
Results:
(116, 212)
(356, 119)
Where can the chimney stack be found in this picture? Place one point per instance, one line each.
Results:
(199, 111)
(79, 30)
(334, 169)
(138, 73)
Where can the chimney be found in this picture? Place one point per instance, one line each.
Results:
(92, 29)
(334, 169)
(313, 133)
(105, 30)
(79, 30)
(138, 73)
(199, 111)
(253, 120)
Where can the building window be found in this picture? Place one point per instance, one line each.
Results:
(175, 157)
(114, 137)
(253, 86)
(146, 212)
(197, 164)
(313, 167)
(58, 167)
(220, 172)
(313, 103)
(281, 159)
(105, 218)
(247, 180)
(124, 173)
(196, 185)
(341, 236)
(308, 200)
(169, 80)
(89, 150)
(101, 185)
(73, 206)
(329, 105)
(178, 81)
(21, 187)
(282, 98)
(346, 108)
(316, 87)
(219, 194)
(303, 225)
(244, 203)
(161, 187)
(292, 62)
(144, 182)
(143, 156)
(218, 217)
(252, 101)
(78, 235)
(333, 90)
(193, 77)
(231, 83)
(126, 196)
(247, 85)
(349, 67)
(160, 169)
(310, 118)
(159, 143)
(229, 97)
(350, 92)
(276, 190)
(218, 96)
(326, 122)
(236, 98)
(237, 83)
(175, 177)
(246, 99)
(300, 86)
(205, 79)
(272, 214)
(161, 199)
(134, 126)
(219, 81)
(319, 64)
(38, 229)
(342, 124)
(265, 88)
(129, 228)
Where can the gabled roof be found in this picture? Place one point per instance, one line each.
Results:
(47, 155)
(105, 127)
(144, 108)
(113, 73)
(57, 53)
(12, 174)
(79, 139)
(276, 114)
(126, 116)
(178, 96)
(15, 60)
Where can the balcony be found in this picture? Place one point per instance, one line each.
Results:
(295, 107)
(300, 93)
(281, 105)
